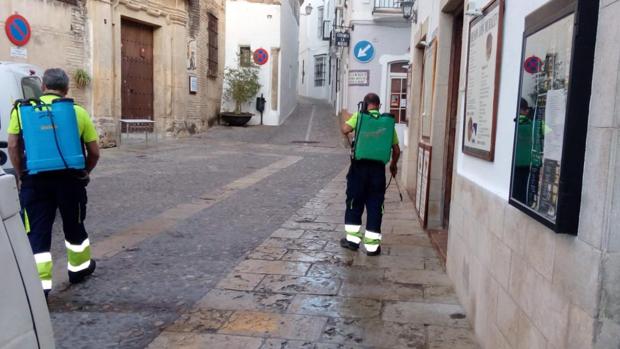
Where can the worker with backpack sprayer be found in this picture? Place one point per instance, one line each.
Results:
(53, 147)
(375, 143)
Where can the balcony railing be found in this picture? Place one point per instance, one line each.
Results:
(387, 5)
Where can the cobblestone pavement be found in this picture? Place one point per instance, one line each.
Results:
(168, 221)
(230, 239)
(299, 290)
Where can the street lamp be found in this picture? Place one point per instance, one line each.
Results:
(308, 9)
(408, 12)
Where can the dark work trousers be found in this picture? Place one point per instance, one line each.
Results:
(365, 187)
(41, 195)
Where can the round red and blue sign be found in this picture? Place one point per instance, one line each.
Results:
(533, 64)
(261, 56)
(17, 29)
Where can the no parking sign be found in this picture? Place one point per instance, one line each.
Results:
(17, 30)
(261, 56)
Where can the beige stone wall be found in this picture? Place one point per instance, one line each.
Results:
(602, 171)
(86, 34)
(169, 20)
(524, 286)
(60, 37)
(203, 107)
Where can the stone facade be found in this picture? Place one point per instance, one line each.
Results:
(203, 107)
(59, 38)
(86, 34)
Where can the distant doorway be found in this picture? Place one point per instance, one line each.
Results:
(453, 99)
(397, 98)
(136, 70)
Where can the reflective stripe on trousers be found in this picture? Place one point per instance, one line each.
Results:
(372, 241)
(78, 256)
(44, 268)
(353, 233)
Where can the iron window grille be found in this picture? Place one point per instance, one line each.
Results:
(320, 63)
(213, 46)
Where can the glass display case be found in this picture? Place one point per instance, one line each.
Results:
(553, 105)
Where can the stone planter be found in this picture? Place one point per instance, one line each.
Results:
(234, 119)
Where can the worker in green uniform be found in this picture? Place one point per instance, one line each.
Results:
(43, 193)
(375, 143)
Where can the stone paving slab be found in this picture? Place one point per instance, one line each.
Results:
(272, 267)
(243, 300)
(299, 284)
(300, 290)
(240, 281)
(335, 306)
(169, 340)
(275, 325)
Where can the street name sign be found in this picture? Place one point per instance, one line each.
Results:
(342, 39)
(358, 77)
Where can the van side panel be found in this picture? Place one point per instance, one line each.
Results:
(13, 296)
(8, 94)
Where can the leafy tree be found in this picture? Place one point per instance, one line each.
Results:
(242, 84)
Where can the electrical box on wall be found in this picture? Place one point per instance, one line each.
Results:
(552, 114)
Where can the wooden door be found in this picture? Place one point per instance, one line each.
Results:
(136, 71)
(453, 99)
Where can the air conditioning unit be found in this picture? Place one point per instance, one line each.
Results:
(339, 3)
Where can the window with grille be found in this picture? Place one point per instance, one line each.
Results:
(245, 56)
(213, 47)
(320, 63)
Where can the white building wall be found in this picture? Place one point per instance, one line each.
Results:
(311, 44)
(495, 176)
(289, 55)
(261, 25)
(391, 42)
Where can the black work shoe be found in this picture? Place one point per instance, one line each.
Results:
(348, 244)
(76, 277)
(376, 253)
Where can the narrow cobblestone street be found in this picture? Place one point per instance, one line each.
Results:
(230, 240)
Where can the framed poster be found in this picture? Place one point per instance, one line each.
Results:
(428, 89)
(484, 55)
(551, 119)
(423, 182)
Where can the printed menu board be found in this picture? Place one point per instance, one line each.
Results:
(483, 63)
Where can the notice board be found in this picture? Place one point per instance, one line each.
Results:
(484, 52)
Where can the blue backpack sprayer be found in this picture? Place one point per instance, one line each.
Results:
(51, 136)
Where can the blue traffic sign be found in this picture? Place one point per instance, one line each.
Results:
(364, 51)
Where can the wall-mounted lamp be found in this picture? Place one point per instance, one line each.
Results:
(409, 13)
(308, 10)
(473, 10)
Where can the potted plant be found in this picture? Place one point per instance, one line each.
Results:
(82, 78)
(241, 87)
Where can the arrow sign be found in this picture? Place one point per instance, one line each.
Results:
(364, 51)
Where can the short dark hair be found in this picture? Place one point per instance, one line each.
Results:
(523, 104)
(56, 79)
(372, 98)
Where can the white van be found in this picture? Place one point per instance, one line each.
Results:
(24, 317)
(17, 81)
